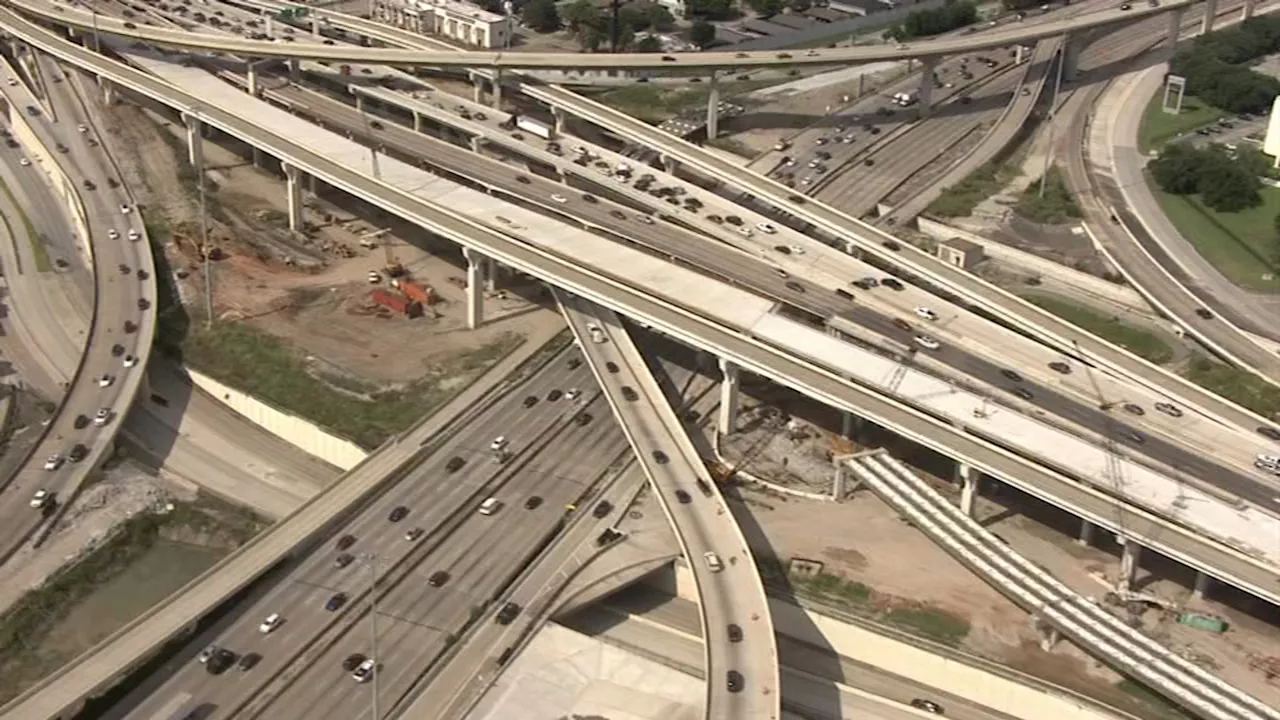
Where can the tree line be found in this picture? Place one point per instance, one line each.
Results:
(1225, 181)
(1217, 70)
(954, 15)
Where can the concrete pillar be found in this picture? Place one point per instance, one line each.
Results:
(315, 27)
(1071, 55)
(559, 116)
(728, 397)
(850, 424)
(475, 143)
(1203, 582)
(1210, 14)
(108, 92)
(497, 90)
(1019, 53)
(475, 299)
(927, 83)
(477, 88)
(295, 69)
(670, 164)
(968, 478)
(1128, 565)
(257, 157)
(838, 482)
(1086, 533)
(1246, 12)
(1175, 29)
(359, 102)
(311, 185)
(195, 142)
(417, 121)
(294, 189)
(862, 85)
(490, 274)
(252, 77)
(713, 109)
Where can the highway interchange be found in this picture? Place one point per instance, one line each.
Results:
(418, 617)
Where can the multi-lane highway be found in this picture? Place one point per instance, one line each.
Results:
(429, 588)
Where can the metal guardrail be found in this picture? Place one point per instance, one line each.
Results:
(1092, 627)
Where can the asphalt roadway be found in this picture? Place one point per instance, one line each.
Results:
(299, 674)
(741, 269)
(117, 302)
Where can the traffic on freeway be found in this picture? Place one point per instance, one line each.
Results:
(440, 544)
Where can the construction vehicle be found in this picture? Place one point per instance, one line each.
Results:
(416, 292)
(397, 303)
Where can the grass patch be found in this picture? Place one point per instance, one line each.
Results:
(172, 319)
(1159, 127)
(1242, 245)
(261, 365)
(134, 569)
(937, 625)
(834, 587)
(1057, 206)
(656, 103)
(1239, 386)
(1136, 340)
(961, 199)
(1157, 704)
(38, 249)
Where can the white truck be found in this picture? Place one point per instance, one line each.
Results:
(904, 99)
(535, 127)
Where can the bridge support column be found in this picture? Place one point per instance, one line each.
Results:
(1203, 583)
(559, 116)
(359, 103)
(490, 269)
(475, 299)
(1210, 14)
(1129, 560)
(295, 69)
(315, 27)
(927, 82)
(293, 187)
(670, 164)
(195, 142)
(713, 109)
(1070, 57)
(496, 87)
(1246, 11)
(969, 480)
(257, 157)
(850, 424)
(252, 80)
(1019, 54)
(417, 121)
(1086, 533)
(728, 397)
(108, 91)
(475, 143)
(477, 89)
(1175, 29)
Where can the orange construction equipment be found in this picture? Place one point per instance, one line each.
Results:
(414, 291)
(396, 303)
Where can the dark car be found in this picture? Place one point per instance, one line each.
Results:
(1060, 367)
(1134, 409)
(353, 661)
(575, 363)
(1135, 437)
(893, 284)
(344, 560)
(130, 326)
(124, 269)
(144, 304)
(530, 401)
(604, 507)
(398, 513)
(534, 501)
(629, 393)
(611, 366)
(220, 661)
(660, 457)
(1204, 313)
(794, 286)
(554, 395)
(683, 497)
(607, 536)
(143, 274)
(336, 601)
(588, 197)
(523, 179)
(704, 486)
(1169, 409)
(902, 324)
(248, 661)
(438, 578)
(88, 185)
(928, 706)
(508, 613)
(117, 350)
(734, 681)
(375, 125)
(892, 245)
(1011, 374)
(81, 422)
(1023, 393)
(583, 419)
(455, 464)
(346, 541)
(78, 453)
(1269, 432)
(735, 633)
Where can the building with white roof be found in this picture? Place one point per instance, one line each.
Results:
(463, 22)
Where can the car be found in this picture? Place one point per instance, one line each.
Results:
(554, 395)
(144, 304)
(130, 361)
(611, 366)
(40, 499)
(928, 342)
(499, 444)
(589, 198)
(794, 286)
(344, 560)
(1169, 409)
(1023, 393)
(113, 234)
(221, 660)
(438, 578)
(248, 661)
(683, 497)
(629, 394)
(603, 508)
(1126, 7)
(455, 464)
(101, 417)
(345, 542)
(124, 269)
(134, 235)
(866, 283)
(81, 422)
(1269, 432)
(1204, 313)
(766, 228)
(713, 561)
(398, 513)
(125, 209)
(130, 326)
(1134, 409)
(734, 681)
(533, 502)
(573, 394)
(60, 148)
(1059, 366)
(375, 125)
(24, 162)
(893, 284)
(644, 219)
(1135, 437)
(88, 185)
(105, 381)
(617, 215)
(414, 534)
(143, 274)
(352, 662)
(926, 313)
(117, 350)
(490, 506)
(78, 452)
(364, 671)
(928, 706)
(559, 199)
(335, 601)
(530, 401)
(206, 654)
(574, 363)
(660, 457)
(270, 623)
(582, 419)
(508, 613)
(735, 633)
(1011, 374)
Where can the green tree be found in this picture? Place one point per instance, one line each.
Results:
(1177, 169)
(581, 15)
(648, 44)
(660, 19)
(708, 9)
(541, 15)
(935, 21)
(702, 34)
(766, 8)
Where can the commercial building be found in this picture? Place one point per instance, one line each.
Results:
(463, 22)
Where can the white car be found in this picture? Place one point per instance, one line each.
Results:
(12, 82)
(102, 417)
(744, 231)
(135, 235)
(53, 463)
(766, 228)
(24, 162)
(797, 250)
(499, 443)
(374, 277)
(573, 394)
(645, 219)
(114, 234)
(82, 128)
(559, 199)
(105, 381)
(125, 209)
(364, 673)
(928, 342)
(926, 313)
(130, 361)
(40, 499)
(271, 623)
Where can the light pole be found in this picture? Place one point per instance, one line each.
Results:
(1053, 114)
(372, 561)
(204, 225)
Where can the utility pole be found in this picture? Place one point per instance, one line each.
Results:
(372, 561)
(204, 237)
(1053, 114)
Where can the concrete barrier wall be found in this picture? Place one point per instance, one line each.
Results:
(1008, 695)
(1120, 295)
(301, 433)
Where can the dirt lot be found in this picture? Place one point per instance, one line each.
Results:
(901, 565)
